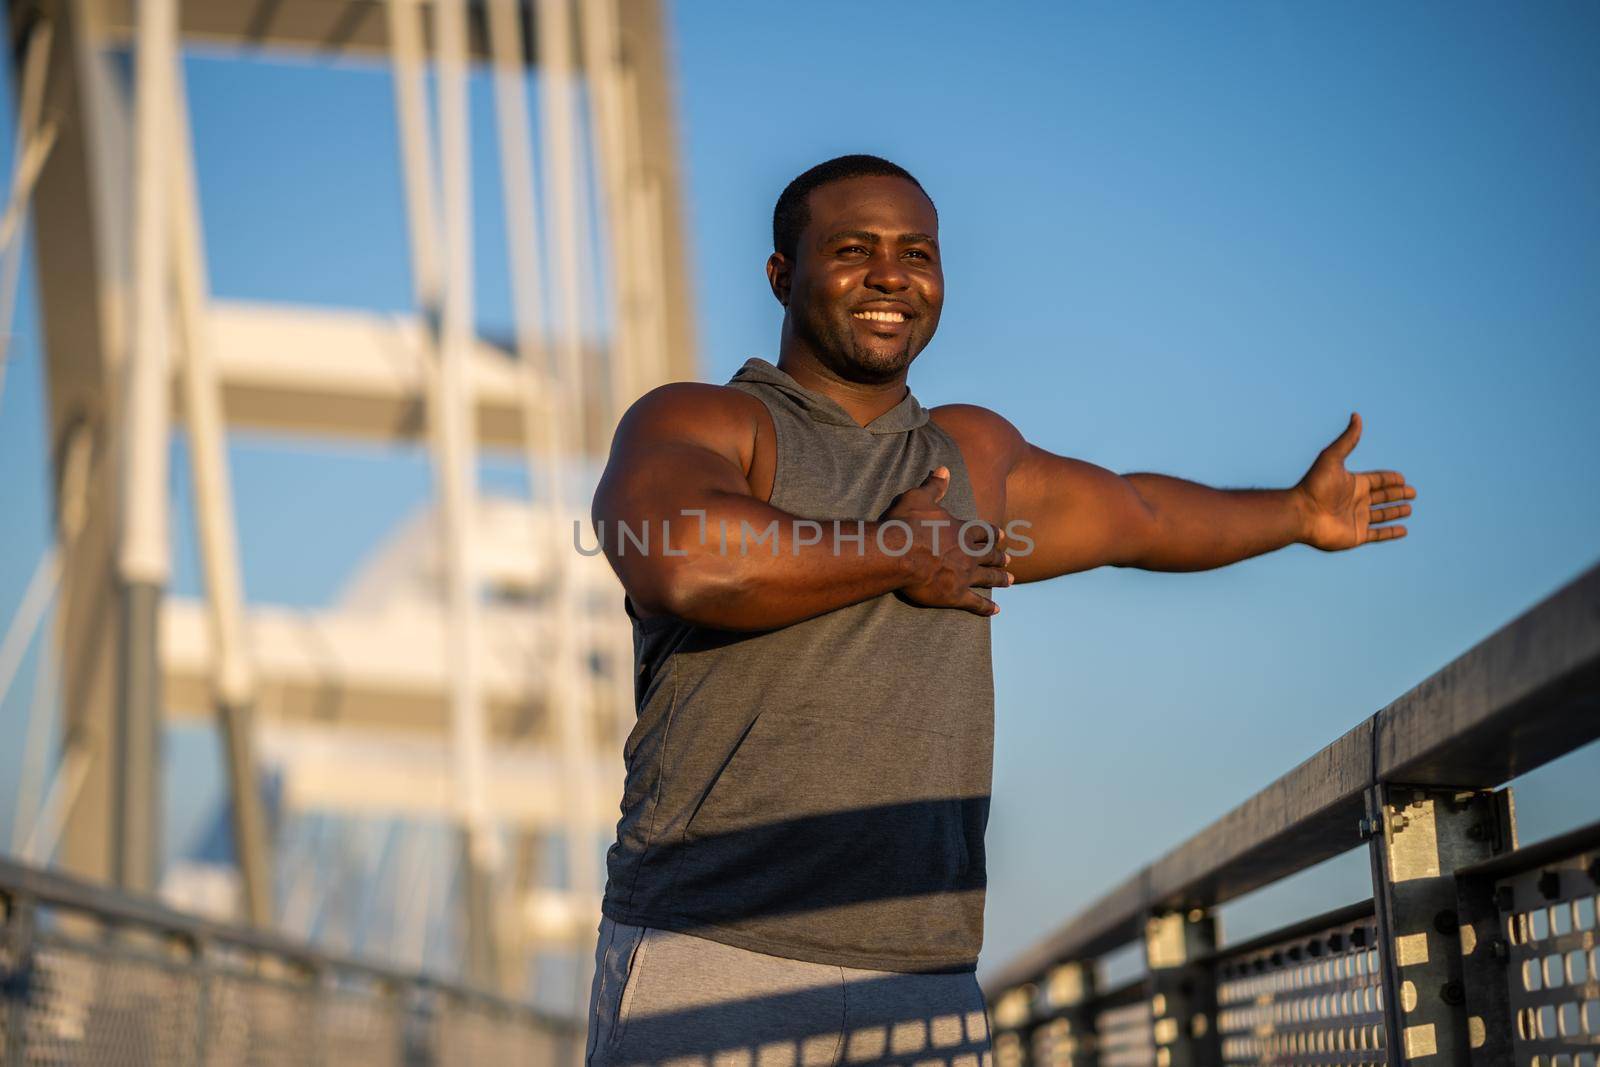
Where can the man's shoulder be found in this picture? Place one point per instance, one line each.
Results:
(979, 429)
(692, 405)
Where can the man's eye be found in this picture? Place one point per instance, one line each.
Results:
(918, 252)
(852, 248)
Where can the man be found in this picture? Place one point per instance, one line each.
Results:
(799, 875)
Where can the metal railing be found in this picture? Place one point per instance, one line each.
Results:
(1471, 950)
(92, 977)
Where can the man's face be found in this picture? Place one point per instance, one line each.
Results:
(866, 286)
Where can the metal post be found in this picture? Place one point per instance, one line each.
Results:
(1419, 838)
(561, 163)
(547, 438)
(458, 471)
(416, 152)
(1012, 1018)
(574, 703)
(233, 672)
(444, 293)
(642, 205)
(1183, 992)
(1067, 1003)
(143, 557)
(1485, 949)
(198, 951)
(606, 122)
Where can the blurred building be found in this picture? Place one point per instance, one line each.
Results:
(429, 768)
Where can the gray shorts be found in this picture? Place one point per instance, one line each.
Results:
(661, 997)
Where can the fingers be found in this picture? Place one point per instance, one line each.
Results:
(1401, 492)
(1345, 443)
(1389, 514)
(1384, 479)
(997, 556)
(1385, 533)
(939, 482)
(978, 604)
(990, 577)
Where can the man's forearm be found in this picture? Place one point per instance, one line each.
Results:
(736, 563)
(1196, 527)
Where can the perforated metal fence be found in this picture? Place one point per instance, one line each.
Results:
(1313, 998)
(1473, 949)
(90, 978)
(1553, 961)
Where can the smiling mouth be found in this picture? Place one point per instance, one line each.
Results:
(879, 316)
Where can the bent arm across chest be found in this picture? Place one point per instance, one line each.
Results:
(681, 528)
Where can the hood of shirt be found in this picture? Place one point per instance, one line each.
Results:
(908, 414)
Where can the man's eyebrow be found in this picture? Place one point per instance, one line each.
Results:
(857, 235)
(872, 238)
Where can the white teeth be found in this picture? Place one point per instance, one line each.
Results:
(881, 316)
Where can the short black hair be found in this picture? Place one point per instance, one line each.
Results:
(792, 213)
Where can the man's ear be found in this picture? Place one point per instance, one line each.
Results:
(778, 277)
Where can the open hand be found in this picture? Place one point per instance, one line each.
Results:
(1344, 509)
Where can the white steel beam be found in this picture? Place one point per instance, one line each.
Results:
(143, 558)
(355, 375)
(575, 705)
(458, 486)
(367, 669)
(325, 29)
(234, 679)
(373, 772)
(416, 148)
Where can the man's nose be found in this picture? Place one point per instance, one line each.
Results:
(886, 273)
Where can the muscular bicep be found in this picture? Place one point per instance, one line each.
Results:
(1078, 516)
(677, 450)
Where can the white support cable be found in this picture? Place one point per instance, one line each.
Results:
(36, 599)
(410, 898)
(393, 828)
(11, 255)
(300, 891)
(36, 740)
(235, 679)
(32, 147)
(71, 510)
(30, 161)
(144, 551)
(35, 65)
(447, 883)
(58, 802)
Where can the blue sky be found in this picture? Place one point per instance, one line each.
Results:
(1187, 239)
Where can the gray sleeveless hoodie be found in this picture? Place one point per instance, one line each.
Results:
(819, 791)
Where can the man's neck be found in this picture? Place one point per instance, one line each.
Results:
(863, 401)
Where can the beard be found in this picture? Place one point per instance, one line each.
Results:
(840, 346)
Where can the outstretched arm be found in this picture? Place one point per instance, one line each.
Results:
(1082, 516)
